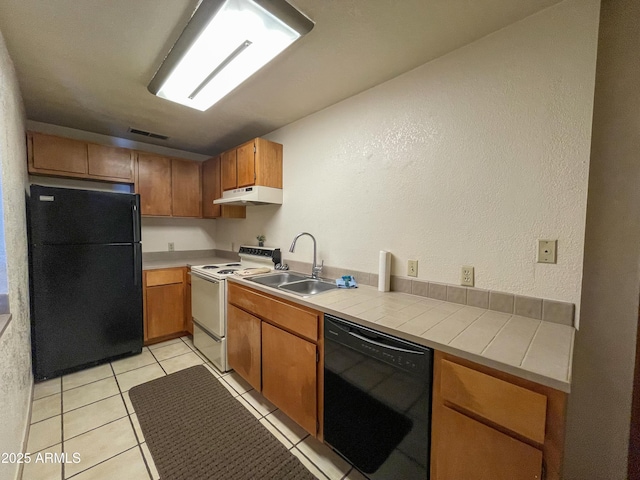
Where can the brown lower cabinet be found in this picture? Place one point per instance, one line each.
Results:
(487, 424)
(289, 377)
(276, 346)
(164, 304)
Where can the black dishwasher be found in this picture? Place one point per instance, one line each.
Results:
(377, 407)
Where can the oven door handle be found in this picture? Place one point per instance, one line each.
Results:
(384, 345)
(207, 279)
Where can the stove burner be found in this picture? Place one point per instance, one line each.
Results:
(208, 267)
(227, 271)
(233, 265)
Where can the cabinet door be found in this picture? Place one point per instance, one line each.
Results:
(243, 345)
(471, 450)
(165, 310)
(229, 170)
(185, 188)
(58, 154)
(110, 162)
(289, 378)
(211, 187)
(246, 164)
(154, 185)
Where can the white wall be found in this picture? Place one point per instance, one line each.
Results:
(466, 160)
(15, 351)
(605, 347)
(187, 234)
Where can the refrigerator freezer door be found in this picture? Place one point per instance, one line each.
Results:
(86, 305)
(59, 216)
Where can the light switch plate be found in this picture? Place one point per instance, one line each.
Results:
(547, 250)
(412, 268)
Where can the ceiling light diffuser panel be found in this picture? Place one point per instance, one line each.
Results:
(225, 43)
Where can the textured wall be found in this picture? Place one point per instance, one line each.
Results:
(605, 346)
(466, 160)
(15, 350)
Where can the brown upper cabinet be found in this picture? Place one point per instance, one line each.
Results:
(212, 190)
(186, 188)
(257, 162)
(169, 187)
(65, 157)
(154, 185)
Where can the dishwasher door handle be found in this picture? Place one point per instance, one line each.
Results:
(384, 345)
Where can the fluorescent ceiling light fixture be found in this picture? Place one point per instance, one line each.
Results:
(224, 43)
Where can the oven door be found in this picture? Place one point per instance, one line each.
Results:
(208, 304)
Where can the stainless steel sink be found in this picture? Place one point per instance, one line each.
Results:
(307, 287)
(276, 279)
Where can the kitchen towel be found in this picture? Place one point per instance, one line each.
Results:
(346, 281)
(384, 271)
(251, 271)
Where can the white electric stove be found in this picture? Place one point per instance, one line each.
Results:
(209, 299)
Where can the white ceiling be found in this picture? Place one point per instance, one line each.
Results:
(86, 64)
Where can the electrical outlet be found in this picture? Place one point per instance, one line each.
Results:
(466, 276)
(547, 250)
(172, 247)
(412, 268)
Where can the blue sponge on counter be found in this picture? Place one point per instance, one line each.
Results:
(346, 281)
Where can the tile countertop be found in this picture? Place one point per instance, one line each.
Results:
(528, 348)
(182, 262)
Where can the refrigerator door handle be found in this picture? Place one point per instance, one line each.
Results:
(137, 266)
(135, 220)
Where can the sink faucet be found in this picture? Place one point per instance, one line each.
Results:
(315, 269)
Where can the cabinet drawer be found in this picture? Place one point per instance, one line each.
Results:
(164, 276)
(470, 450)
(515, 408)
(299, 320)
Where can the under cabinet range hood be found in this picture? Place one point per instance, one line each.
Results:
(257, 195)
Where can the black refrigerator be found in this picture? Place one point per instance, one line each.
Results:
(85, 278)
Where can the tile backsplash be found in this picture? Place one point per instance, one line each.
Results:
(530, 307)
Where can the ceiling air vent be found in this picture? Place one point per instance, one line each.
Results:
(147, 134)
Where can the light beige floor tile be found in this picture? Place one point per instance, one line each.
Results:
(228, 387)
(246, 405)
(41, 469)
(188, 339)
(257, 401)
(173, 350)
(127, 465)
(100, 444)
(152, 466)
(92, 416)
(307, 463)
(44, 434)
(83, 377)
(131, 363)
(329, 462)
(238, 383)
(137, 428)
(127, 402)
(138, 376)
(214, 371)
(294, 432)
(181, 362)
(46, 407)
(44, 389)
(164, 344)
(92, 392)
(354, 474)
(276, 433)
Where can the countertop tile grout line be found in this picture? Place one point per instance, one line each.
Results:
(496, 335)
(535, 334)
